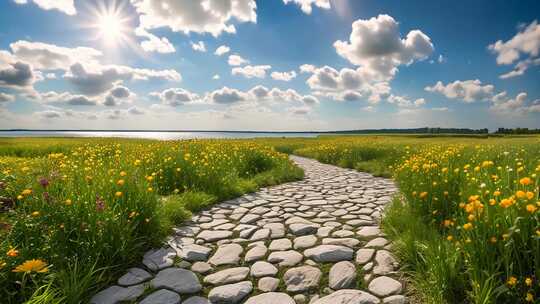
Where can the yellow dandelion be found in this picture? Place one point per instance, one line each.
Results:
(118, 194)
(32, 266)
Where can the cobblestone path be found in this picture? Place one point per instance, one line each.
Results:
(312, 241)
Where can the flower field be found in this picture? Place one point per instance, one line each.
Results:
(467, 226)
(73, 212)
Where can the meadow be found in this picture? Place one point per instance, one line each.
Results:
(466, 225)
(75, 212)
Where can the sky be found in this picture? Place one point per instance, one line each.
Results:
(274, 65)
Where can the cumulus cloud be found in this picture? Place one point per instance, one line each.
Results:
(198, 46)
(466, 90)
(405, 102)
(176, 97)
(214, 17)
(523, 48)
(118, 95)
(135, 111)
(307, 68)
(283, 76)
(236, 60)
(249, 71)
(222, 49)
(18, 75)
(49, 114)
(51, 57)
(216, 77)
(226, 95)
(300, 110)
(154, 43)
(346, 84)
(6, 98)
(307, 5)
(66, 98)
(376, 45)
(65, 6)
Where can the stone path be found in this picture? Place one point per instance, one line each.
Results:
(312, 241)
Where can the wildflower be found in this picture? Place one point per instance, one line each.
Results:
(530, 195)
(26, 192)
(68, 202)
(120, 182)
(100, 204)
(423, 194)
(12, 252)
(150, 189)
(531, 208)
(32, 266)
(493, 239)
(497, 193)
(512, 281)
(149, 178)
(521, 194)
(44, 182)
(450, 237)
(118, 194)
(525, 181)
(529, 297)
(123, 173)
(507, 202)
(467, 226)
(528, 282)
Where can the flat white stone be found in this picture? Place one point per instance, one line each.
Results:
(228, 254)
(384, 286)
(348, 296)
(227, 276)
(302, 278)
(342, 275)
(263, 269)
(329, 253)
(271, 298)
(231, 293)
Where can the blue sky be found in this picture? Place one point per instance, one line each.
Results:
(284, 65)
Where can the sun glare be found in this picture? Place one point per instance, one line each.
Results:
(111, 25)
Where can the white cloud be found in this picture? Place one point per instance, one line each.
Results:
(226, 95)
(346, 84)
(199, 46)
(65, 6)
(307, 68)
(6, 98)
(154, 43)
(66, 98)
(17, 75)
(222, 49)
(51, 57)
(306, 5)
(176, 97)
(249, 71)
(283, 76)
(236, 60)
(405, 102)
(466, 90)
(300, 110)
(214, 17)
(216, 77)
(526, 44)
(376, 45)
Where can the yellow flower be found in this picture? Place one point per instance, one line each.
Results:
(521, 194)
(32, 266)
(150, 189)
(35, 213)
(530, 195)
(528, 282)
(120, 182)
(26, 192)
(68, 202)
(12, 252)
(531, 208)
(118, 194)
(529, 297)
(450, 238)
(423, 194)
(525, 181)
(493, 239)
(149, 178)
(467, 226)
(497, 193)
(123, 173)
(512, 281)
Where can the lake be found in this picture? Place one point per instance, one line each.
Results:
(153, 134)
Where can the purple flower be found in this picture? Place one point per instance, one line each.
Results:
(44, 182)
(100, 204)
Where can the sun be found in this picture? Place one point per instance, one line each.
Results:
(110, 23)
(111, 27)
